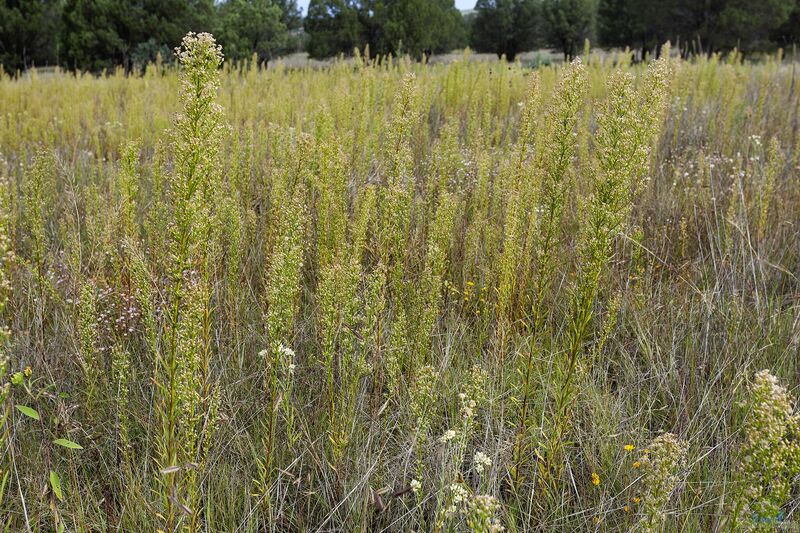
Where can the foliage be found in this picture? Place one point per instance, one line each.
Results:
(385, 26)
(251, 27)
(747, 26)
(569, 23)
(698, 27)
(26, 33)
(418, 26)
(333, 27)
(505, 27)
(98, 34)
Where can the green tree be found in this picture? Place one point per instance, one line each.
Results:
(292, 18)
(27, 28)
(333, 27)
(418, 27)
(789, 32)
(504, 27)
(99, 34)
(247, 27)
(747, 25)
(621, 22)
(91, 31)
(163, 23)
(167, 21)
(708, 26)
(641, 24)
(569, 23)
(415, 27)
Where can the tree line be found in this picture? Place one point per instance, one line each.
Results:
(96, 34)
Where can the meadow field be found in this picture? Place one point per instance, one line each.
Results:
(382, 295)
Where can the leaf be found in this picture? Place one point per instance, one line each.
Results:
(66, 443)
(27, 411)
(55, 483)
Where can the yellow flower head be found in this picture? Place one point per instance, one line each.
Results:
(28, 371)
(636, 499)
(629, 447)
(627, 509)
(637, 464)
(595, 479)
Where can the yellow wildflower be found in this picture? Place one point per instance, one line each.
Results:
(629, 447)
(595, 479)
(637, 464)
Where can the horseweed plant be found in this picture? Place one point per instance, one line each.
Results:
(552, 174)
(626, 128)
(188, 402)
(768, 463)
(662, 464)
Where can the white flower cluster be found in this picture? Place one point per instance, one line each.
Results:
(448, 436)
(458, 497)
(287, 359)
(482, 462)
(468, 406)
